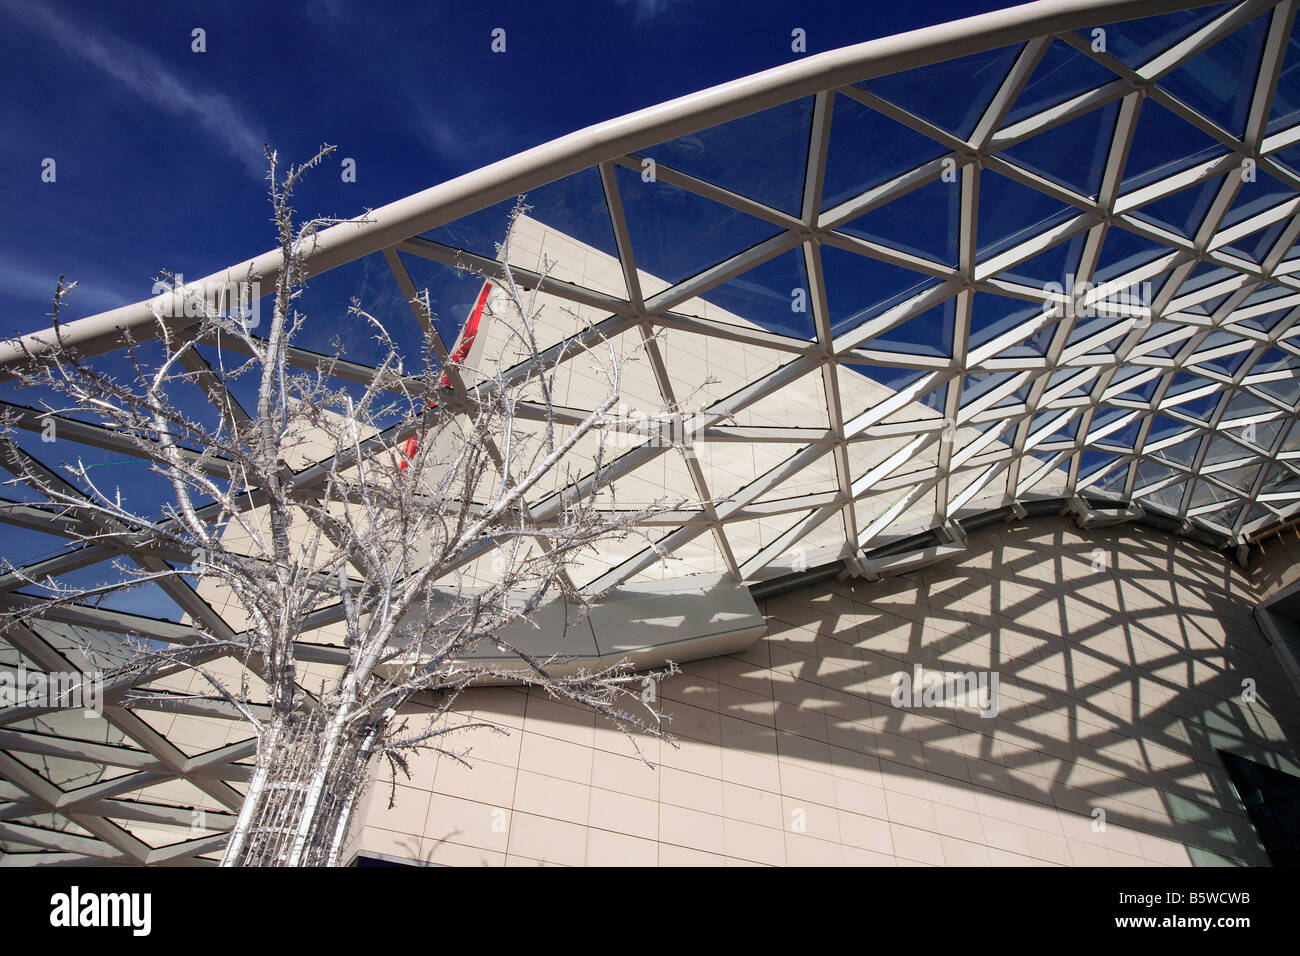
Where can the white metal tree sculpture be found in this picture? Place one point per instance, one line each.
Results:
(375, 532)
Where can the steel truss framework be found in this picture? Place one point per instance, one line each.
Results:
(1183, 401)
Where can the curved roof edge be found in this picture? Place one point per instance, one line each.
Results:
(608, 140)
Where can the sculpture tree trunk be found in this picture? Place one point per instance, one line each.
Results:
(310, 771)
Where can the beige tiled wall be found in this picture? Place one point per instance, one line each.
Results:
(1121, 655)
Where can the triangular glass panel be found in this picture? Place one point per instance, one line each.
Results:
(1092, 462)
(928, 407)
(1286, 389)
(1258, 244)
(873, 506)
(17, 490)
(867, 148)
(24, 546)
(864, 386)
(147, 600)
(574, 205)
(1206, 492)
(1199, 408)
(1257, 512)
(1122, 437)
(1135, 42)
(817, 476)
(1061, 74)
(1158, 331)
(929, 334)
(1015, 399)
(1204, 275)
(1105, 350)
(1150, 473)
(1170, 496)
(1163, 427)
(1265, 434)
(1115, 479)
(1183, 452)
(185, 397)
(1061, 376)
(1285, 110)
(1060, 472)
(927, 91)
(1268, 321)
(453, 296)
(1210, 82)
(1225, 517)
(801, 403)
(677, 234)
(120, 476)
(1184, 211)
(1065, 432)
(859, 288)
(995, 315)
(976, 384)
(1289, 157)
(867, 455)
(1256, 196)
(1222, 449)
(748, 538)
(1053, 265)
(768, 295)
(923, 222)
(1164, 144)
(1123, 251)
(1246, 405)
(762, 155)
(1223, 364)
(1072, 154)
(1267, 292)
(1283, 481)
(1011, 213)
(1143, 389)
(1243, 479)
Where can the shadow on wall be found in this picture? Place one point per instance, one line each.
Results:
(1120, 657)
(1275, 562)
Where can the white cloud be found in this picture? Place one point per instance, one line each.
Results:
(646, 9)
(139, 71)
(25, 281)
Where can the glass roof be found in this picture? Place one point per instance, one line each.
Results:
(1068, 265)
(1080, 270)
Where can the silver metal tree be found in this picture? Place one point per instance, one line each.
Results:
(374, 530)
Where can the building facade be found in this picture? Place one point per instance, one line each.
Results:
(979, 413)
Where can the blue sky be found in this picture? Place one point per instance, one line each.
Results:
(158, 149)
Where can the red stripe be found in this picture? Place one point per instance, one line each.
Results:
(466, 343)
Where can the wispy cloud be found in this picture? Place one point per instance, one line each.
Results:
(470, 138)
(329, 12)
(139, 71)
(29, 283)
(646, 9)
